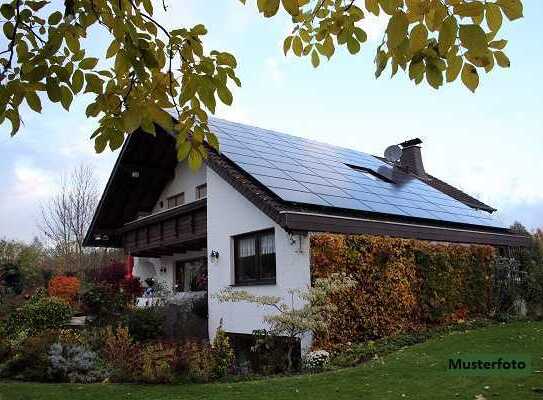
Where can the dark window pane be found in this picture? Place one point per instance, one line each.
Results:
(201, 192)
(255, 258)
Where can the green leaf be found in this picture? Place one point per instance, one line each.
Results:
(454, 66)
(183, 150)
(113, 48)
(33, 101)
(360, 34)
(315, 59)
(94, 84)
(493, 17)
(373, 7)
(66, 97)
(268, 7)
(194, 159)
(473, 9)
(131, 119)
(225, 95)
(291, 6)
(397, 29)
(434, 76)
(227, 59)
(77, 81)
(88, 63)
(416, 71)
(511, 8)
(418, 38)
(470, 77)
(473, 38)
(297, 46)
(447, 34)
(14, 118)
(53, 89)
(502, 59)
(498, 44)
(55, 18)
(353, 46)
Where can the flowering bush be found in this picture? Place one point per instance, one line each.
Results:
(64, 287)
(316, 361)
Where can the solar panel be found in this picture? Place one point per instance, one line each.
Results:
(303, 171)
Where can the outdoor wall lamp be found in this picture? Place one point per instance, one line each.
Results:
(214, 255)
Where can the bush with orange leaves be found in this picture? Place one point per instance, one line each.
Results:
(64, 287)
(402, 285)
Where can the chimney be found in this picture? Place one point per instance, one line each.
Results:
(411, 158)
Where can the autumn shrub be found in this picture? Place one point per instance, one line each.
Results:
(194, 360)
(157, 363)
(64, 287)
(131, 287)
(112, 274)
(122, 354)
(402, 285)
(38, 314)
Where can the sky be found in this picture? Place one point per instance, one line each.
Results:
(488, 144)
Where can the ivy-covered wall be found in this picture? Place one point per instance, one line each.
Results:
(403, 285)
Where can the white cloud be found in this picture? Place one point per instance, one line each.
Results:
(31, 182)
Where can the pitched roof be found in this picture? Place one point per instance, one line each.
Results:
(302, 185)
(305, 172)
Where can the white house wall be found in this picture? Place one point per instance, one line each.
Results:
(230, 214)
(185, 181)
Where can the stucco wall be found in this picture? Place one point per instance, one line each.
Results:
(185, 181)
(230, 214)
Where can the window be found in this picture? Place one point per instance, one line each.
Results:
(254, 255)
(201, 191)
(176, 200)
(369, 173)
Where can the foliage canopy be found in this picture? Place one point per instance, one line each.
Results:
(148, 69)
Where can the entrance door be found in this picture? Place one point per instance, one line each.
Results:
(191, 276)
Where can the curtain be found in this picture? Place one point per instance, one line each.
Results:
(246, 247)
(267, 244)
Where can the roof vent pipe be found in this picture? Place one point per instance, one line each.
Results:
(411, 158)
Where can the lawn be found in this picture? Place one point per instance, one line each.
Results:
(418, 372)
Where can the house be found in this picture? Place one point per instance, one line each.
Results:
(244, 219)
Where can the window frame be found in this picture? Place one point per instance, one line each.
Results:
(368, 171)
(175, 197)
(258, 259)
(198, 189)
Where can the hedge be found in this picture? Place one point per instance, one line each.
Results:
(403, 285)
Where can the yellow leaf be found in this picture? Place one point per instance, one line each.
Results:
(470, 77)
(473, 9)
(286, 44)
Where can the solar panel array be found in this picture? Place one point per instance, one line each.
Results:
(304, 171)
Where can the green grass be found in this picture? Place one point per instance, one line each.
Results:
(418, 372)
